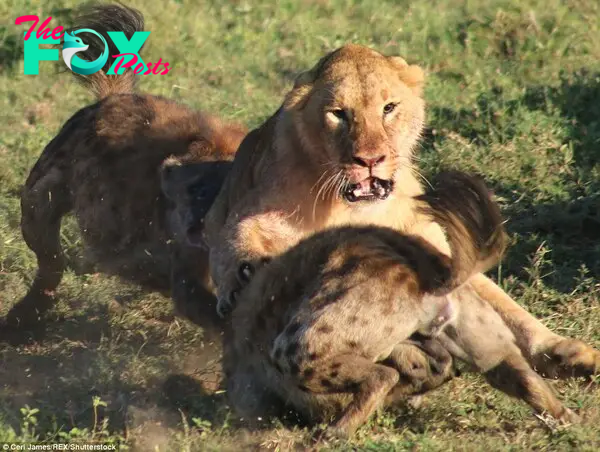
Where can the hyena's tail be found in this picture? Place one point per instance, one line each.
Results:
(102, 19)
(463, 205)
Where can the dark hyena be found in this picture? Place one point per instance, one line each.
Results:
(105, 167)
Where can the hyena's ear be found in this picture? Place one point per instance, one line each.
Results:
(412, 75)
(175, 177)
(192, 188)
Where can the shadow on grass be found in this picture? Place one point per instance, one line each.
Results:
(577, 97)
(65, 364)
(570, 229)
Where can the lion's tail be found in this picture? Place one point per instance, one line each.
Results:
(463, 205)
(102, 19)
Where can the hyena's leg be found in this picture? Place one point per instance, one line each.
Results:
(479, 336)
(516, 378)
(44, 201)
(191, 290)
(423, 364)
(368, 382)
(252, 401)
(550, 354)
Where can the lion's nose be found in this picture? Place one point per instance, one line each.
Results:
(368, 162)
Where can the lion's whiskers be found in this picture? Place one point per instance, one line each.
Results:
(333, 183)
(322, 192)
(418, 173)
(319, 180)
(343, 181)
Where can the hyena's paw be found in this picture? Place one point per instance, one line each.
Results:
(423, 364)
(441, 363)
(568, 358)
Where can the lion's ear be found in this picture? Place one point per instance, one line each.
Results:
(309, 77)
(305, 78)
(412, 75)
(297, 97)
(303, 84)
(399, 62)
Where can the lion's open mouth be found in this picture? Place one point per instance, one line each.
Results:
(370, 189)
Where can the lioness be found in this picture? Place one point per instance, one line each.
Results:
(324, 326)
(105, 166)
(339, 151)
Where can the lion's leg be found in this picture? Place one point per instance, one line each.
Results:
(235, 259)
(552, 355)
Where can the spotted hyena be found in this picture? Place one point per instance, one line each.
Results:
(354, 316)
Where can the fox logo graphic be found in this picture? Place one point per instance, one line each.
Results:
(73, 45)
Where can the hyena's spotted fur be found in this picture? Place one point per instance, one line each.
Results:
(340, 323)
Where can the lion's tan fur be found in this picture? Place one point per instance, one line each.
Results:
(326, 327)
(279, 190)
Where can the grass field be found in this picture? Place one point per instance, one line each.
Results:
(513, 92)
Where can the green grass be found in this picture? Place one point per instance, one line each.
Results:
(513, 92)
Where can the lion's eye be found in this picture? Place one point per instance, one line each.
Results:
(340, 114)
(389, 108)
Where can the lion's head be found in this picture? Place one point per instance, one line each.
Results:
(359, 115)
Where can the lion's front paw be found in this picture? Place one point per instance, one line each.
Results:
(229, 292)
(568, 358)
(243, 275)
